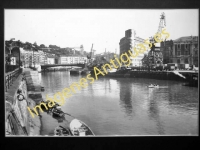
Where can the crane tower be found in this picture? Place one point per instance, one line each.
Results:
(155, 55)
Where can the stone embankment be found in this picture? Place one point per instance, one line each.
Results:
(24, 92)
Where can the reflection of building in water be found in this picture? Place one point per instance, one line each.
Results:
(125, 97)
(154, 111)
(112, 85)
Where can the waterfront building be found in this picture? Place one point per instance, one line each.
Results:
(128, 43)
(166, 48)
(24, 57)
(49, 57)
(104, 57)
(30, 57)
(12, 55)
(34, 58)
(50, 60)
(185, 50)
(42, 57)
(63, 59)
(69, 55)
(145, 61)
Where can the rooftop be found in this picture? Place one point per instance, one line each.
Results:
(187, 39)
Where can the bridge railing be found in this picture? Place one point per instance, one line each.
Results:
(9, 68)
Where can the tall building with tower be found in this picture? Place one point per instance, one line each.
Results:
(128, 43)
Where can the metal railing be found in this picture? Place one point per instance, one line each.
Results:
(9, 77)
(9, 68)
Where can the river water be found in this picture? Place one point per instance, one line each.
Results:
(125, 106)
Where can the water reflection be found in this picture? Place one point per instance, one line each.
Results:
(183, 98)
(154, 110)
(125, 96)
(125, 106)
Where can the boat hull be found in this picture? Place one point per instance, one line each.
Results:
(57, 112)
(61, 131)
(79, 128)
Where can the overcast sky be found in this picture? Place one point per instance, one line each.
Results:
(102, 27)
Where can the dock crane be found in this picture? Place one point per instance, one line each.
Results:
(90, 56)
(91, 52)
(162, 23)
(155, 55)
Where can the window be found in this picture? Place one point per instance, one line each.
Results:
(178, 46)
(182, 51)
(175, 47)
(195, 52)
(178, 60)
(179, 53)
(186, 46)
(186, 60)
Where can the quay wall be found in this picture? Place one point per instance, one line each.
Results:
(34, 98)
(190, 78)
(156, 75)
(27, 83)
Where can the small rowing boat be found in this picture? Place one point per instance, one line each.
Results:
(57, 112)
(61, 131)
(79, 128)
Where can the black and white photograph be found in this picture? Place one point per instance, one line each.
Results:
(101, 72)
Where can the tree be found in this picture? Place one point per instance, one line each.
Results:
(28, 45)
(54, 47)
(19, 43)
(35, 45)
(42, 46)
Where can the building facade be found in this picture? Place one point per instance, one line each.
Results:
(105, 57)
(72, 59)
(185, 50)
(166, 48)
(30, 57)
(35, 58)
(128, 43)
(12, 56)
(49, 58)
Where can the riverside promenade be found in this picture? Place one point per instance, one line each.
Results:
(28, 84)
